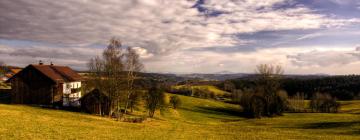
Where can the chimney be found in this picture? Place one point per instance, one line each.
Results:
(40, 62)
(51, 63)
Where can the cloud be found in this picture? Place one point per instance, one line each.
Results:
(344, 2)
(143, 53)
(170, 35)
(76, 56)
(167, 24)
(325, 58)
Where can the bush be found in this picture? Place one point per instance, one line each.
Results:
(258, 105)
(175, 101)
(252, 105)
(154, 100)
(324, 103)
(203, 93)
(182, 91)
(297, 103)
(280, 103)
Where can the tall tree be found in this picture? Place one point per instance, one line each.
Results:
(106, 73)
(133, 65)
(268, 84)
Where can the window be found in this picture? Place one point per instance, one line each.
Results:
(75, 90)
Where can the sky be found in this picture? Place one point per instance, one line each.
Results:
(187, 36)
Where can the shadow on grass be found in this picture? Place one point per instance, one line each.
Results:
(353, 132)
(219, 111)
(352, 111)
(335, 125)
(330, 125)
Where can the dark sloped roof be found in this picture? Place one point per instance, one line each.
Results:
(58, 73)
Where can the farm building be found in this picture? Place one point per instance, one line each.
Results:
(95, 102)
(8, 71)
(46, 85)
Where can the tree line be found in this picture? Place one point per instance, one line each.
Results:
(265, 96)
(341, 87)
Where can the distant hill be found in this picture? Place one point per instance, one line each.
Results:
(219, 77)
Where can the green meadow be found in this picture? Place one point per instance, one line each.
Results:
(195, 119)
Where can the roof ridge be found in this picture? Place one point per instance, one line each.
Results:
(61, 73)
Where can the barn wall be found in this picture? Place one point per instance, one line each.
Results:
(22, 93)
(31, 87)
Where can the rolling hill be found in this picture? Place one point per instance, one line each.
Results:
(195, 119)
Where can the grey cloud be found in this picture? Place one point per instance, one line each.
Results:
(227, 50)
(75, 56)
(162, 27)
(73, 21)
(325, 58)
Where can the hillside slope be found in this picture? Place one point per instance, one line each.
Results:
(196, 119)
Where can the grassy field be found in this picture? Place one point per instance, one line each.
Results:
(213, 89)
(196, 119)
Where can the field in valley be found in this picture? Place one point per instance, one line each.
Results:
(196, 119)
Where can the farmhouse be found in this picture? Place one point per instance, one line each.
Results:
(46, 85)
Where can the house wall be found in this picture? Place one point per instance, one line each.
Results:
(71, 93)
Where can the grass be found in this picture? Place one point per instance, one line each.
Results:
(213, 89)
(195, 119)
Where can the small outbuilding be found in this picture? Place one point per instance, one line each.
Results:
(95, 102)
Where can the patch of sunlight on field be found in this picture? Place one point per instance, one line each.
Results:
(350, 106)
(213, 89)
(195, 119)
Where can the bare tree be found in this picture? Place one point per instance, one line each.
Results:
(133, 65)
(265, 99)
(2, 68)
(268, 84)
(96, 73)
(106, 75)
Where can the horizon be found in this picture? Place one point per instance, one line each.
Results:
(187, 36)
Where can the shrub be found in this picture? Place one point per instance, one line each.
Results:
(236, 96)
(182, 91)
(297, 103)
(253, 105)
(154, 100)
(258, 104)
(324, 103)
(175, 101)
(280, 102)
(203, 93)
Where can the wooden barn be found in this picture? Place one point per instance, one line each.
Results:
(95, 102)
(46, 85)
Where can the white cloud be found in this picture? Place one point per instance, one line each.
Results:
(168, 24)
(143, 53)
(161, 30)
(324, 58)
